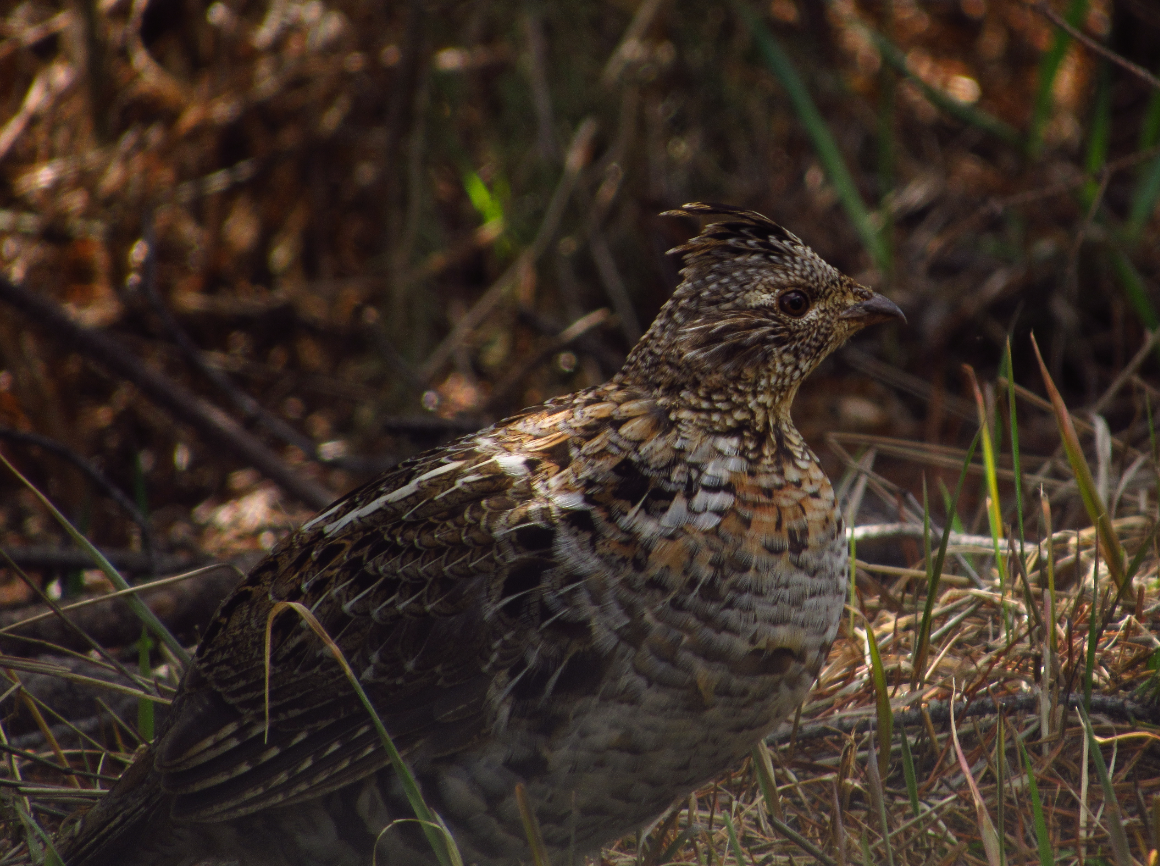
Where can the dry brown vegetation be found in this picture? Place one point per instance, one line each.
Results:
(252, 251)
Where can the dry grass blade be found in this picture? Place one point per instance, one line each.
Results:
(986, 828)
(113, 596)
(1115, 821)
(763, 767)
(878, 800)
(147, 617)
(1109, 541)
(801, 841)
(28, 702)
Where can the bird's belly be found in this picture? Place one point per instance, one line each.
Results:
(684, 694)
(675, 711)
(613, 767)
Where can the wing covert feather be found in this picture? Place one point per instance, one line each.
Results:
(421, 578)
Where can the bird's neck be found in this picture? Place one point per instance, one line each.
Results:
(756, 412)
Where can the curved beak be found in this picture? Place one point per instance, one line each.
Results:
(878, 309)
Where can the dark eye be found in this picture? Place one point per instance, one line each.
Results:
(793, 303)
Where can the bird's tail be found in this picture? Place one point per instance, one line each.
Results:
(128, 826)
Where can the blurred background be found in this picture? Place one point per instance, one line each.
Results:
(256, 251)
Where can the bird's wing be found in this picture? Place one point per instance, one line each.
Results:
(431, 581)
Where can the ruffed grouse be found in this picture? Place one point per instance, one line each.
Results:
(609, 598)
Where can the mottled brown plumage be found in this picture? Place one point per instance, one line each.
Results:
(608, 598)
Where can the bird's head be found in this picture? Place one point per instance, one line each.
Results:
(756, 311)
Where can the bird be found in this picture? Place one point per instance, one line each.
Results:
(593, 607)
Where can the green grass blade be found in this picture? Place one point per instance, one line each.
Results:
(1017, 466)
(438, 836)
(882, 701)
(922, 642)
(1042, 839)
(1133, 567)
(679, 842)
(144, 705)
(1134, 288)
(1148, 176)
(991, 476)
(32, 831)
(961, 111)
(1144, 201)
(1141, 554)
(39, 842)
(1048, 69)
(908, 772)
(957, 523)
(139, 608)
(488, 206)
(1100, 133)
(1150, 127)
(734, 842)
(824, 145)
(532, 828)
(1116, 833)
(926, 557)
(764, 768)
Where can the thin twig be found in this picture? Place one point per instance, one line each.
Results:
(614, 286)
(538, 78)
(629, 45)
(1058, 20)
(579, 152)
(51, 558)
(85, 640)
(906, 382)
(48, 85)
(208, 420)
(514, 379)
(1125, 375)
(997, 206)
(247, 405)
(184, 606)
(30, 35)
(907, 530)
(865, 719)
(94, 475)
